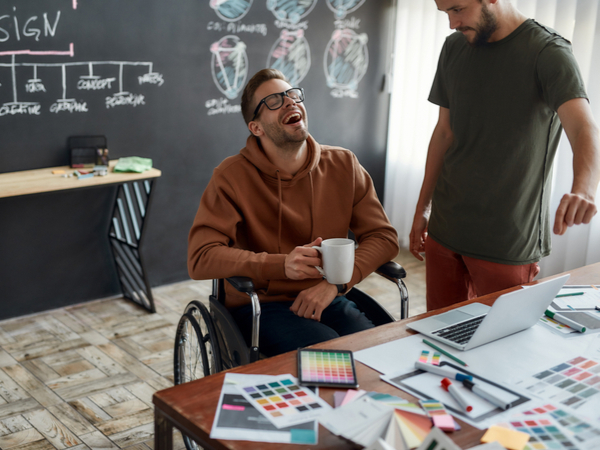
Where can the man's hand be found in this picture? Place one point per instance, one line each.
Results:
(311, 302)
(574, 209)
(300, 263)
(418, 235)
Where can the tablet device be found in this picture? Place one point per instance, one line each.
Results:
(331, 368)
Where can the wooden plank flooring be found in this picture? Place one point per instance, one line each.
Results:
(83, 377)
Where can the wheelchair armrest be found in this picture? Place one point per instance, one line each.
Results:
(391, 270)
(242, 284)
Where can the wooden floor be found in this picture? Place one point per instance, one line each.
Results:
(83, 377)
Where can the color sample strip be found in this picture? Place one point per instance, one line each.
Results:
(578, 381)
(436, 359)
(424, 356)
(284, 402)
(326, 367)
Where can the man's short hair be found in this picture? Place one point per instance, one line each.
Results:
(255, 82)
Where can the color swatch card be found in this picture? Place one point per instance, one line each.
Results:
(333, 368)
(544, 433)
(574, 383)
(284, 402)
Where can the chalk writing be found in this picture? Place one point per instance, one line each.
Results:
(352, 23)
(35, 85)
(68, 104)
(28, 30)
(346, 60)
(94, 83)
(343, 7)
(229, 65)
(291, 55)
(123, 99)
(20, 108)
(259, 28)
(291, 26)
(151, 78)
(221, 106)
(231, 10)
(290, 10)
(341, 93)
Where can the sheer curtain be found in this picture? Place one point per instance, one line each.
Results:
(420, 33)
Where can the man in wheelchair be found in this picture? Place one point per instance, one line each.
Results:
(264, 209)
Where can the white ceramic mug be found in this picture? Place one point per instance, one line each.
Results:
(338, 260)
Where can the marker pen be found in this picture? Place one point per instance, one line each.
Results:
(485, 394)
(456, 395)
(565, 321)
(442, 372)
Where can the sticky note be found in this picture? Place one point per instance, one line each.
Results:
(444, 422)
(58, 172)
(510, 439)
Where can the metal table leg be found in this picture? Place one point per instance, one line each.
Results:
(125, 235)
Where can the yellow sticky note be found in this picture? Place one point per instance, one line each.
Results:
(510, 439)
(58, 172)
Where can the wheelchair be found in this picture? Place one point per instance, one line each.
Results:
(208, 340)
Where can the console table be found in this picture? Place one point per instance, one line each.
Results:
(128, 214)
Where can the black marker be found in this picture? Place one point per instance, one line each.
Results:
(475, 388)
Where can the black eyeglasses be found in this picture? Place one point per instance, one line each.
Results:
(275, 101)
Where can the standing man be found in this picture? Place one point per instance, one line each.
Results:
(265, 208)
(505, 84)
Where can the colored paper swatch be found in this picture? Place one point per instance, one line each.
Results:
(326, 368)
(579, 429)
(284, 402)
(436, 359)
(424, 356)
(510, 439)
(414, 427)
(544, 434)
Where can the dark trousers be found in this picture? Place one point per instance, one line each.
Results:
(282, 331)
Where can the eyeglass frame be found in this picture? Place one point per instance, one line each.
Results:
(282, 94)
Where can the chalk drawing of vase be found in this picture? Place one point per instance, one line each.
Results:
(229, 65)
(346, 59)
(231, 10)
(291, 10)
(291, 55)
(343, 7)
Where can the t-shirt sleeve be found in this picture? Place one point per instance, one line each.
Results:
(439, 93)
(558, 74)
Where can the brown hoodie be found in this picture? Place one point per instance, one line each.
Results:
(252, 215)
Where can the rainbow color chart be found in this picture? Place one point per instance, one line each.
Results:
(284, 402)
(326, 368)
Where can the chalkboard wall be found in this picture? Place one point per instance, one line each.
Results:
(162, 79)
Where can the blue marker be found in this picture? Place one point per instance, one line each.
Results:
(443, 372)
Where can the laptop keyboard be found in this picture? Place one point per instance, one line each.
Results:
(460, 332)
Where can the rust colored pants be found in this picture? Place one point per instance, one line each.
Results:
(453, 278)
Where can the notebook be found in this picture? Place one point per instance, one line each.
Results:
(476, 324)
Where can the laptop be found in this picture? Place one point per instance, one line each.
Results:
(476, 324)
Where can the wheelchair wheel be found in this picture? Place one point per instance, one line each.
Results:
(195, 356)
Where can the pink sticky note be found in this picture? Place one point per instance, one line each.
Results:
(444, 422)
(233, 407)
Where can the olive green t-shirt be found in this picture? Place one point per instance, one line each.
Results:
(491, 200)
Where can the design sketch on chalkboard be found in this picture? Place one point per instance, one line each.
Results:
(346, 60)
(231, 10)
(343, 7)
(291, 10)
(229, 65)
(291, 55)
(35, 84)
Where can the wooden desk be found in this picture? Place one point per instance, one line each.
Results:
(128, 214)
(191, 407)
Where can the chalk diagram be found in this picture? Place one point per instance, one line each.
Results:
(89, 82)
(343, 7)
(346, 59)
(291, 10)
(291, 55)
(229, 65)
(231, 10)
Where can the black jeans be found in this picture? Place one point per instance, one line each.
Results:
(282, 331)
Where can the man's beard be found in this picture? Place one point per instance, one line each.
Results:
(485, 28)
(282, 139)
